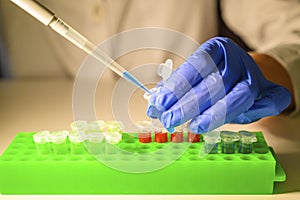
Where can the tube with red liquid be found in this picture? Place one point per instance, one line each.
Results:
(145, 131)
(178, 135)
(160, 135)
(193, 137)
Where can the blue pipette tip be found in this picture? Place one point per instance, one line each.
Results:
(136, 82)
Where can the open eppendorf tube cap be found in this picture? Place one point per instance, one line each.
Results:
(113, 137)
(164, 71)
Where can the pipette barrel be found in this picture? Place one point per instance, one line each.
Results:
(48, 18)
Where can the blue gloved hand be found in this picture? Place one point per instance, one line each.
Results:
(219, 83)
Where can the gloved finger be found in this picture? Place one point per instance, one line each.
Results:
(152, 112)
(239, 100)
(190, 73)
(198, 99)
(272, 102)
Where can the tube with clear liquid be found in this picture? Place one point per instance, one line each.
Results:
(48, 18)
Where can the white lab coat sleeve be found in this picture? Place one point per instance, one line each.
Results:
(271, 27)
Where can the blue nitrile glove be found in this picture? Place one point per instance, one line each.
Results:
(219, 83)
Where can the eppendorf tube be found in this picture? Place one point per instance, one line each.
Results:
(177, 136)
(114, 126)
(96, 126)
(80, 126)
(58, 139)
(193, 137)
(42, 142)
(112, 138)
(144, 131)
(76, 141)
(160, 133)
(228, 141)
(211, 141)
(95, 143)
(246, 141)
(161, 136)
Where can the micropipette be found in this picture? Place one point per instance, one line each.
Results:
(48, 18)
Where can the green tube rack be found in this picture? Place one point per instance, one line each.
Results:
(22, 171)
